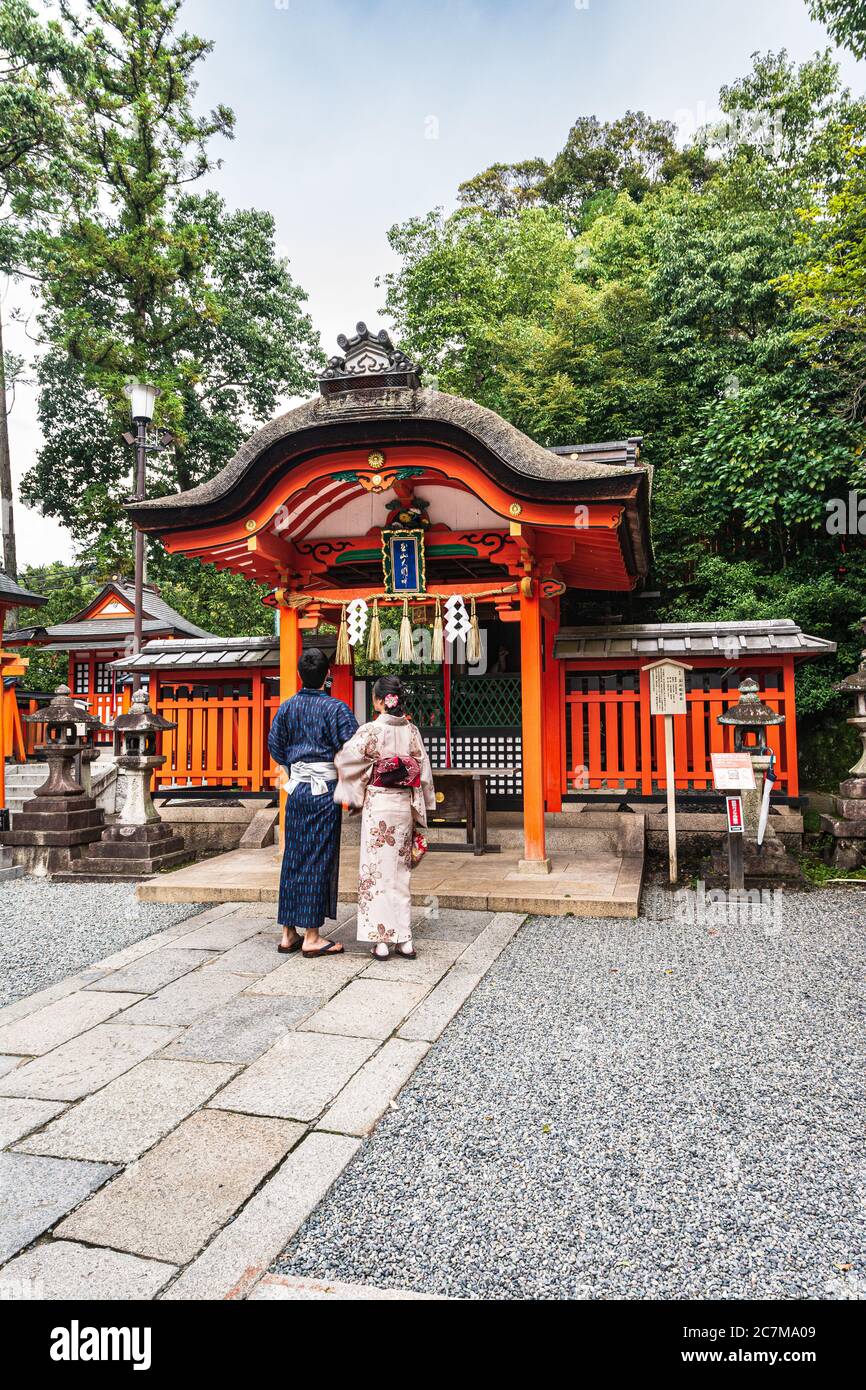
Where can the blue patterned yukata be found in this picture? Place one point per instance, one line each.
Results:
(311, 727)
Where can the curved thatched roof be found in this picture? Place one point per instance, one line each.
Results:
(370, 416)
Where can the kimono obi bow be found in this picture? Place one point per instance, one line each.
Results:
(396, 772)
(318, 775)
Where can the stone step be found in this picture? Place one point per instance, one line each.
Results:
(122, 870)
(605, 885)
(587, 832)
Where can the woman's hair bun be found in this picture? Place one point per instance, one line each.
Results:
(392, 690)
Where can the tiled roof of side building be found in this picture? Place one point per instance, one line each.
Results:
(213, 653)
(774, 637)
(12, 595)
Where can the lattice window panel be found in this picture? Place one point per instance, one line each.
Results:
(483, 702)
(81, 678)
(102, 678)
(437, 750)
(492, 748)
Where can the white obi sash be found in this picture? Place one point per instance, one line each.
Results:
(318, 775)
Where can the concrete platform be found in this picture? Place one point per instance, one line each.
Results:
(595, 883)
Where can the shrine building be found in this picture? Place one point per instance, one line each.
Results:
(382, 494)
(98, 635)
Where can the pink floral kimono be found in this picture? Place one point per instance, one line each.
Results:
(388, 821)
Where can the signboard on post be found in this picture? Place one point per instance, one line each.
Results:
(668, 688)
(733, 772)
(735, 815)
(668, 697)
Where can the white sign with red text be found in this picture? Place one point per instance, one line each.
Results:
(733, 772)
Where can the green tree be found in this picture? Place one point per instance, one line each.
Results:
(35, 170)
(257, 347)
(846, 21)
(504, 188)
(144, 278)
(124, 280)
(829, 287)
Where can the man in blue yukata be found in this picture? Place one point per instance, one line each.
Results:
(308, 730)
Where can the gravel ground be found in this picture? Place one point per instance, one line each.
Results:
(50, 930)
(628, 1110)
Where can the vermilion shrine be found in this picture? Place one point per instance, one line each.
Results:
(380, 493)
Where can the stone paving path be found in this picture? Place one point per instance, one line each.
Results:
(170, 1116)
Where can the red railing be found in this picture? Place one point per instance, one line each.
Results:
(612, 742)
(221, 739)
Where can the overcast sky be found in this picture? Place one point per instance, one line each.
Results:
(355, 114)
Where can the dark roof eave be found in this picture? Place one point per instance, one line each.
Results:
(13, 596)
(527, 469)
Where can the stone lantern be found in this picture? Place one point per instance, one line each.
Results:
(89, 754)
(49, 832)
(750, 718)
(848, 826)
(138, 843)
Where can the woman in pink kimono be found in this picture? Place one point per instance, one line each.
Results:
(384, 772)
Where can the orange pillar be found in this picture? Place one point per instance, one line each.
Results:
(553, 718)
(535, 858)
(789, 730)
(290, 655)
(290, 651)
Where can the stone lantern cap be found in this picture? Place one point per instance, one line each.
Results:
(750, 712)
(141, 718)
(856, 682)
(64, 710)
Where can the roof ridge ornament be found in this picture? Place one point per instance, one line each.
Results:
(370, 360)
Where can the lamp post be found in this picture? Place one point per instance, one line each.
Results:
(142, 399)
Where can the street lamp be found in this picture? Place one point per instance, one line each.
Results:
(142, 399)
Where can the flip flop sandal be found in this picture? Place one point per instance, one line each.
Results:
(287, 950)
(324, 951)
(375, 954)
(406, 955)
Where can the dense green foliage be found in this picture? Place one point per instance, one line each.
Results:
(846, 21)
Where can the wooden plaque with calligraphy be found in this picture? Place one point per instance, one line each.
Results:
(403, 562)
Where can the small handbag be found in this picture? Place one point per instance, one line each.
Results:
(419, 848)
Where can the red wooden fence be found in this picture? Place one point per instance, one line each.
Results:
(609, 739)
(221, 739)
(612, 742)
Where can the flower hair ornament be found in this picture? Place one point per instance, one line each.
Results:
(391, 701)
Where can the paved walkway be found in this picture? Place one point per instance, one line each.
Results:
(584, 883)
(171, 1115)
(660, 1109)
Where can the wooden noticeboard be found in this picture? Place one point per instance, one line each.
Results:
(668, 688)
(667, 684)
